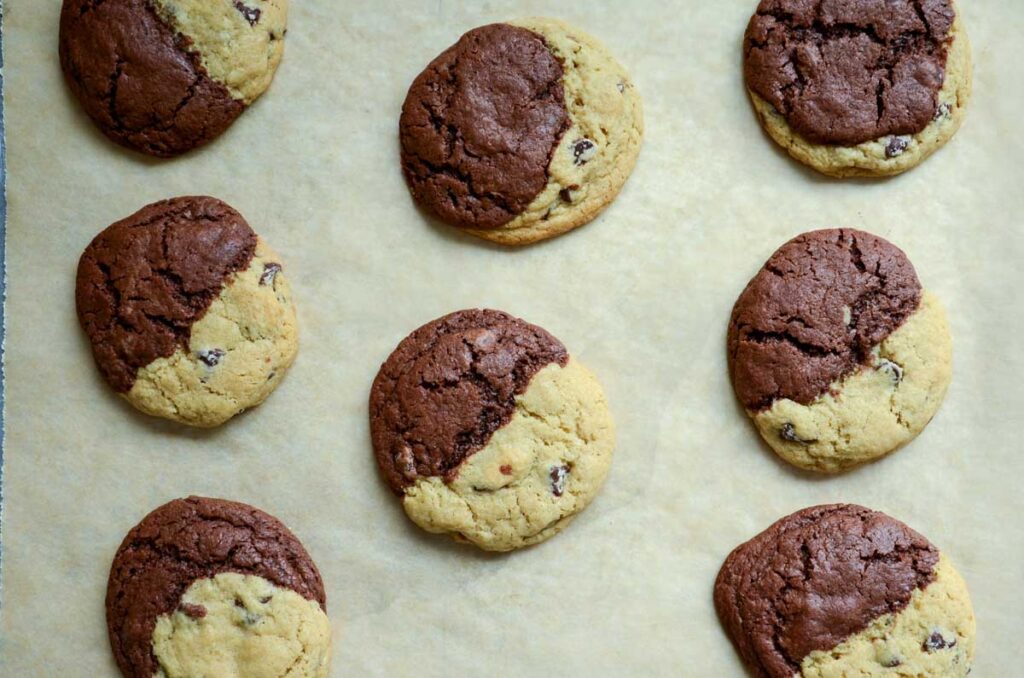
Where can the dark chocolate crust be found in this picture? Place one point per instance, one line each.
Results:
(448, 387)
(145, 280)
(815, 578)
(789, 336)
(848, 72)
(136, 79)
(479, 126)
(184, 541)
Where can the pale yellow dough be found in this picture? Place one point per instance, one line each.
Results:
(868, 159)
(241, 56)
(867, 415)
(251, 629)
(605, 108)
(561, 422)
(255, 327)
(896, 645)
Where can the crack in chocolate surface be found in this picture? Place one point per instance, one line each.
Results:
(815, 578)
(849, 72)
(184, 541)
(813, 314)
(145, 280)
(479, 126)
(448, 387)
(137, 79)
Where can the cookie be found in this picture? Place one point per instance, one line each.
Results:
(836, 352)
(858, 89)
(489, 430)
(520, 131)
(188, 311)
(842, 590)
(165, 76)
(208, 587)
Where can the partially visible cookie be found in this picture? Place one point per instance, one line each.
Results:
(520, 131)
(208, 587)
(165, 76)
(841, 590)
(188, 311)
(836, 352)
(858, 89)
(489, 431)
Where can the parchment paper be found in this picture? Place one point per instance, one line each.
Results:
(642, 296)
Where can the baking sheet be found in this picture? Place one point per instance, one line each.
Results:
(642, 296)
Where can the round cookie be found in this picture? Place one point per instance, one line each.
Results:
(858, 89)
(208, 587)
(841, 590)
(520, 131)
(165, 76)
(489, 431)
(188, 312)
(836, 352)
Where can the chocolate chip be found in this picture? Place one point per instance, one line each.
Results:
(270, 271)
(559, 477)
(887, 657)
(936, 641)
(248, 618)
(566, 193)
(193, 610)
(211, 357)
(583, 150)
(506, 470)
(894, 371)
(251, 14)
(788, 432)
(265, 599)
(896, 146)
(942, 111)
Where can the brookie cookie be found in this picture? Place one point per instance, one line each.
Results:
(520, 131)
(858, 88)
(489, 431)
(188, 311)
(836, 352)
(165, 76)
(841, 590)
(208, 587)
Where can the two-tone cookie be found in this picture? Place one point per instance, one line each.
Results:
(208, 587)
(836, 352)
(858, 88)
(840, 590)
(188, 311)
(520, 131)
(489, 431)
(165, 76)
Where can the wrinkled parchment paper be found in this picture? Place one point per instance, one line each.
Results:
(642, 296)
